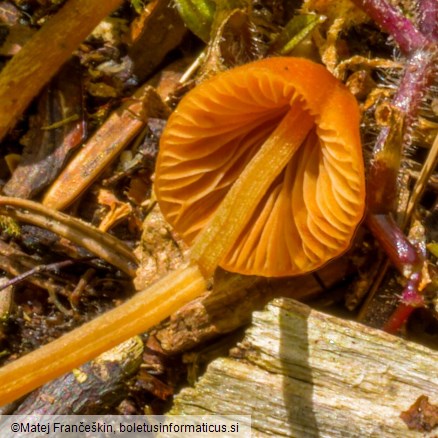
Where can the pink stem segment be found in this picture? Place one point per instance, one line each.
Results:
(391, 20)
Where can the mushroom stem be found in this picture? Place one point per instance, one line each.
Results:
(236, 209)
(159, 301)
(338, 119)
(146, 309)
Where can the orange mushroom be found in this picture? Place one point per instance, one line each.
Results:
(281, 137)
(261, 169)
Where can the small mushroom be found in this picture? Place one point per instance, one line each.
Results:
(267, 158)
(260, 169)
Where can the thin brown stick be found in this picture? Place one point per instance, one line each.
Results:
(34, 65)
(37, 270)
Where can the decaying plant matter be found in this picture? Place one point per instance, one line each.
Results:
(44, 54)
(260, 167)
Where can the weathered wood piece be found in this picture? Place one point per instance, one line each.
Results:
(301, 373)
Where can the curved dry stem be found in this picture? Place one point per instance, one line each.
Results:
(103, 245)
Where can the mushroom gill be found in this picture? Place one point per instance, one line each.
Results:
(306, 204)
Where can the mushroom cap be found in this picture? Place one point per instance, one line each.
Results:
(311, 211)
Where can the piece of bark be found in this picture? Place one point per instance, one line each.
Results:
(17, 33)
(157, 31)
(47, 146)
(421, 416)
(10, 15)
(90, 389)
(301, 373)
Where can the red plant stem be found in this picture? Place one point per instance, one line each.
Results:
(428, 19)
(398, 318)
(383, 169)
(417, 76)
(421, 48)
(400, 251)
(391, 20)
(406, 259)
(410, 300)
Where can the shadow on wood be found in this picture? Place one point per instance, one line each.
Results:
(301, 373)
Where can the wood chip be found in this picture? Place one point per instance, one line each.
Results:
(299, 372)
